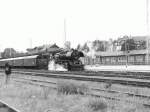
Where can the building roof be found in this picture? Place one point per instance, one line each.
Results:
(121, 53)
(23, 57)
(53, 48)
(139, 38)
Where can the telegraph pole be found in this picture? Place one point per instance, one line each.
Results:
(126, 50)
(10, 52)
(30, 42)
(0, 52)
(64, 31)
(30, 39)
(147, 23)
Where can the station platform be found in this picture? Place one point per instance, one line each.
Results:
(132, 68)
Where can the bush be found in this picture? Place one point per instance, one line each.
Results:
(97, 104)
(108, 85)
(46, 91)
(71, 87)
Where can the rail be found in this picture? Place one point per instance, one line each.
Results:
(96, 92)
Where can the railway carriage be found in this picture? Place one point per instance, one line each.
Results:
(31, 61)
(18, 62)
(34, 61)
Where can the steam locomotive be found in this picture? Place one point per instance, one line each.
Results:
(69, 59)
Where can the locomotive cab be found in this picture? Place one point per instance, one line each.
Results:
(42, 61)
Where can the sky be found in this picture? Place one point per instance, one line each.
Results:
(30, 23)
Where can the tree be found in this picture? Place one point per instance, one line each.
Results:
(85, 48)
(141, 45)
(9, 52)
(129, 44)
(78, 47)
(67, 45)
(98, 45)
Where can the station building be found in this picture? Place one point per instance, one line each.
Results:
(114, 56)
(134, 57)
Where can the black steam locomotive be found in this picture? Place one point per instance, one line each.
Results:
(69, 59)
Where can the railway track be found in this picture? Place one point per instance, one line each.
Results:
(113, 79)
(108, 77)
(96, 92)
(126, 74)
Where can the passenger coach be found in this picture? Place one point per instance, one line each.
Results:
(34, 61)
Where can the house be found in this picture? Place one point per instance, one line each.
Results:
(140, 42)
(118, 43)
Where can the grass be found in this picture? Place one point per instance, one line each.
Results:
(97, 104)
(70, 97)
(72, 87)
